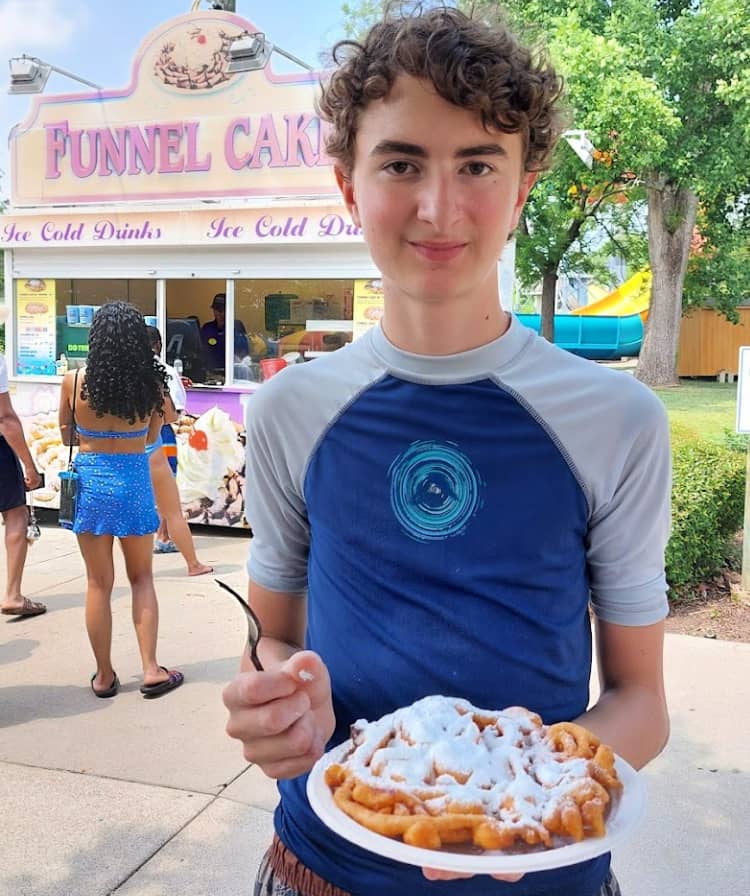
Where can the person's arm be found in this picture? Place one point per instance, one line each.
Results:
(157, 420)
(65, 412)
(169, 412)
(631, 712)
(12, 430)
(627, 541)
(177, 392)
(284, 715)
(283, 619)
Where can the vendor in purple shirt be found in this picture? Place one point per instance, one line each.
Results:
(213, 336)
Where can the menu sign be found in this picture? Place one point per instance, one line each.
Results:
(35, 324)
(368, 305)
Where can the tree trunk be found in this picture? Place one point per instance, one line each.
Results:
(549, 293)
(671, 218)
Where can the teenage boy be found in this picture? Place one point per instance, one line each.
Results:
(461, 490)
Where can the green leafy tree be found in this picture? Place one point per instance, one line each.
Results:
(627, 122)
(694, 164)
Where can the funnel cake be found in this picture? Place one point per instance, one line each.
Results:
(442, 772)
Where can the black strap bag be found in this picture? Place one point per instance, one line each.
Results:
(70, 481)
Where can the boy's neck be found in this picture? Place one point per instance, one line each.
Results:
(443, 328)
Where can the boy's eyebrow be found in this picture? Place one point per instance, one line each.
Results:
(484, 149)
(398, 147)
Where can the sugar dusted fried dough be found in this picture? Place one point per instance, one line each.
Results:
(444, 773)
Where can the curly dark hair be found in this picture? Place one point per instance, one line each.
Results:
(123, 378)
(471, 63)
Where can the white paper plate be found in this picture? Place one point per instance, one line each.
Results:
(622, 819)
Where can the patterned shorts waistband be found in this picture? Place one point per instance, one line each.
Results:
(296, 876)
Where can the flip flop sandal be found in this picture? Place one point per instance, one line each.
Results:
(111, 691)
(29, 608)
(165, 547)
(175, 679)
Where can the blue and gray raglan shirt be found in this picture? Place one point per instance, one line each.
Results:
(451, 519)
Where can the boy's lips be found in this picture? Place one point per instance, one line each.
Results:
(437, 251)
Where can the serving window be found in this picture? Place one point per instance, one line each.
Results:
(53, 317)
(273, 318)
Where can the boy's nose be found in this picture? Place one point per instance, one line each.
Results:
(439, 203)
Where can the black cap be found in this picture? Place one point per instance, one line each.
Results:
(220, 301)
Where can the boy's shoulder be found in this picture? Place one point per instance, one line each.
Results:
(322, 385)
(576, 382)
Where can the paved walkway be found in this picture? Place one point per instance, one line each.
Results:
(149, 798)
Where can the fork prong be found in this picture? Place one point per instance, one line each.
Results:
(252, 620)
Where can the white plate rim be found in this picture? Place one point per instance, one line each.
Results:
(624, 817)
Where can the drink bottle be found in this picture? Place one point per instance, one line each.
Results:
(178, 367)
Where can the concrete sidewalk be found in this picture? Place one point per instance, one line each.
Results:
(147, 798)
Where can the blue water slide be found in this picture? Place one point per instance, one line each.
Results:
(599, 338)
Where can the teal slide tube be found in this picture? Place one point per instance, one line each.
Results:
(599, 338)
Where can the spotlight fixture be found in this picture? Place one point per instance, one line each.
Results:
(28, 74)
(249, 52)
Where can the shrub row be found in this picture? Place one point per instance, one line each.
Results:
(708, 499)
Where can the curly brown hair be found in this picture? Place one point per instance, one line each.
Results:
(123, 378)
(470, 63)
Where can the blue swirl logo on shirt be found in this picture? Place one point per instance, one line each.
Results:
(435, 490)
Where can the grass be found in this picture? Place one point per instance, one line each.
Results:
(707, 408)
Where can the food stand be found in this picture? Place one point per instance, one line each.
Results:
(189, 182)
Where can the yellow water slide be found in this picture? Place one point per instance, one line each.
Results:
(631, 297)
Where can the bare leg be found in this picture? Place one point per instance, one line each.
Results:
(168, 503)
(100, 578)
(137, 550)
(16, 547)
(163, 533)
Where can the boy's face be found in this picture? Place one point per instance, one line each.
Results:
(435, 194)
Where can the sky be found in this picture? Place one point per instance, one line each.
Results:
(97, 40)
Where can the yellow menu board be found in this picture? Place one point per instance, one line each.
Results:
(368, 305)
(35, 325)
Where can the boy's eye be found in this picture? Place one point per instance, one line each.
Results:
(400, 167)
(476, 169)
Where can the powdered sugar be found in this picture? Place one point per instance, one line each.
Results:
(446, 751)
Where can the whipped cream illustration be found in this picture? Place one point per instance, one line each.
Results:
(210, 454)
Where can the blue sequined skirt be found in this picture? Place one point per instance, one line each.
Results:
(115, 495)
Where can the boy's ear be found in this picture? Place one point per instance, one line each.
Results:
(344, 181)
(527, 182)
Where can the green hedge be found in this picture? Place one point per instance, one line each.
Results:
(708, 499)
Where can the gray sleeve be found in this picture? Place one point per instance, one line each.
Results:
(285, 420)
(628, 533)
(274, 505)
(614, 433)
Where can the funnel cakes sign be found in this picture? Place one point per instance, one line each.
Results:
(185, 127)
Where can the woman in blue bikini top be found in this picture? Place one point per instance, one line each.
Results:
(112, 409)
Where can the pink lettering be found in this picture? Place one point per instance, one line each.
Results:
(56, 135)
(323, 157)
(77, 165)
(298, 141)
(143, 150)
(170, 158)
(267, 143)
(234, 161)
(192, 162)
(112, 152)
